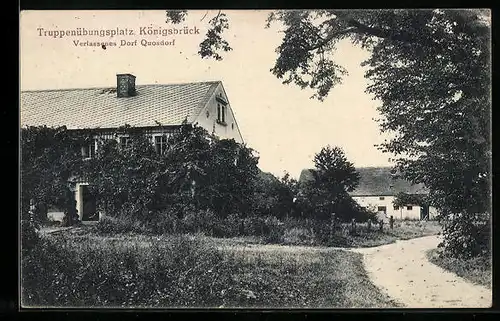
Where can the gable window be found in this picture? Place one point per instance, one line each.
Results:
(89, 149)
(381, 198)
(221, 114)
(160, 143)
(124, 142)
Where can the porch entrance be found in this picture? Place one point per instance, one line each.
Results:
(88, 207)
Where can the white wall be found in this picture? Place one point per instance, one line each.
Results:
(373, 202)
(228, 131)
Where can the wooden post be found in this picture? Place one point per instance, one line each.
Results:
(353, 226)
(381, 225)
(391, 222)
(332, 225)
(369, 225)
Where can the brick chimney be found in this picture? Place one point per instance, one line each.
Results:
(125, 85)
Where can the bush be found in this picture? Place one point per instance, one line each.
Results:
(297, 235)
(124, 224)
(466, 235)
(29, 235)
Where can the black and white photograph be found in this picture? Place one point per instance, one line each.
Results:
(255, 159)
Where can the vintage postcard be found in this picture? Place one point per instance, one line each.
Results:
(255, 159)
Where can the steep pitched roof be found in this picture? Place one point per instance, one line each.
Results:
(167, 104)
(375, 181)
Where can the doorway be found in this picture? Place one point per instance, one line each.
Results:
(424, 212)
(89, 206)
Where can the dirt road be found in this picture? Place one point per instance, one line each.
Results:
(402, 271)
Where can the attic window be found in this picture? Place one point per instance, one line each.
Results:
(221, 114)
(208, 114)
(232, 125)
(381, 198)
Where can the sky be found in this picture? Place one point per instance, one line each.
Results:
(279, 121)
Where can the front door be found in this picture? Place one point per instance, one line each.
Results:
(424, 212)
(89, 208)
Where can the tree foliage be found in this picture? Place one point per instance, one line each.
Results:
(49, 158)
(326, 193)
(431, 71)
(403, 199)
(275, 196)
(195, 170)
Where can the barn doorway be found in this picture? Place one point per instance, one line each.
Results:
(88, 204)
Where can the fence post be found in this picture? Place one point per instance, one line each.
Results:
(381, 225)
(369, 224)
(391, 222)
(332, 225)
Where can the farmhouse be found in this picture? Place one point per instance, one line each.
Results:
(377, 190)
(157, 109)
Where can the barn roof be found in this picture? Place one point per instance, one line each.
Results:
(168, 104)
(377, 181)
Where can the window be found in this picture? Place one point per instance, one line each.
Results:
(160, 144)
(221, 113)
(382, 209)
(409, 208)
(396, 207)
(381, 198)
(89, 149)
(124, 142)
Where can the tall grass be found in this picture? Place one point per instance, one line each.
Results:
(271, 230)
(182, 271)
(72, 273)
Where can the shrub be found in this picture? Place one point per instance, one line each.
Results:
(466, 235)
(297, 235)
(273, 230)
(29, 235)
(124, 224)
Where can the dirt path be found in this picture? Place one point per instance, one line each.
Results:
(403, 271)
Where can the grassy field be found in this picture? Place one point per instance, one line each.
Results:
(295, 232)
(476, 270)
(403, 230)
(78, 270)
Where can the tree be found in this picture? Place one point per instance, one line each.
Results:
(49, 158)
(430, 69)
(327, 192)
(403, 199)
(195, 171)
(275, 196)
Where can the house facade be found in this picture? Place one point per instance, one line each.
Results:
(158, 110)
(377, 190)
